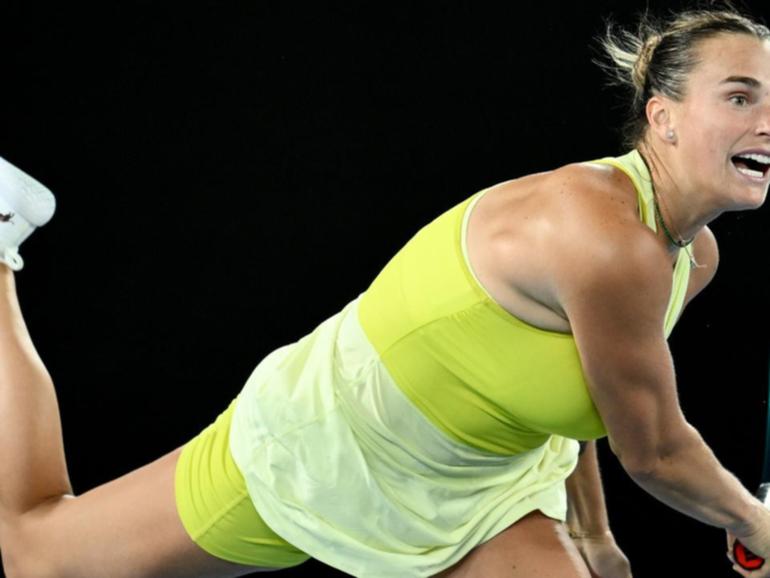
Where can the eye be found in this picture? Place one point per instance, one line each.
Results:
(739, 99)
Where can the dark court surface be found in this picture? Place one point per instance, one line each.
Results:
(230, 174)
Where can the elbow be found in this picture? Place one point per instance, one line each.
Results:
(637, 460)
(641, 470)
(639, 465)
(649, 460)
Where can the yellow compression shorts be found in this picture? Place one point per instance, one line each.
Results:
(215, 507)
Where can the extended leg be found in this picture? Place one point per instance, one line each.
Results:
(126, 528)
(32, 468)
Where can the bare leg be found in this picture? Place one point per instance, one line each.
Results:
(32, 468)
(126, 528)
(534, 546)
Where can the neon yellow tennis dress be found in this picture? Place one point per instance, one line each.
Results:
(423, 418)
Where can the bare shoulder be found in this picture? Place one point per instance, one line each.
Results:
(593, 197)
(600, 230)
(599, 197)
(533, 238)
(614, 284)
(575, 242)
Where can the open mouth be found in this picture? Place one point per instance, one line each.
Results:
(752, 165)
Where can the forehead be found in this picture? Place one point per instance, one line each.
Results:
(728, 55)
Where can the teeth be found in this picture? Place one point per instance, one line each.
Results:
(750, 173)
(764, 159)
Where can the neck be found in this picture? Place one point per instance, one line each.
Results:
(673, 241)
(680, 217)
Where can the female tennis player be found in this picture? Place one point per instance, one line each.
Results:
(432, 426)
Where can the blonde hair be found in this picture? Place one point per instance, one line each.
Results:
(658, 56)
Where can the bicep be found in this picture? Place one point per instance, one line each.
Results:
(616, 309)
(633, 386)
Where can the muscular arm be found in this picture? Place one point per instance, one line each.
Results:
(587, 513)
(615, 292)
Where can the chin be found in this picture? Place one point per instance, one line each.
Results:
(754, 201)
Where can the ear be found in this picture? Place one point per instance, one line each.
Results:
(659, 112)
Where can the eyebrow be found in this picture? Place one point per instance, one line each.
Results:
(747, 80)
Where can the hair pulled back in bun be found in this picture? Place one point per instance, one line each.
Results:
(658, 55)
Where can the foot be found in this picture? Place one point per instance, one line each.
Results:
(25, 204)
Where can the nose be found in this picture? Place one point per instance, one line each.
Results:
(763, 127)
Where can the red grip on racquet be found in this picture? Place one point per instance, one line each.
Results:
(745, 558)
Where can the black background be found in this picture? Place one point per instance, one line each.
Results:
(229, 174)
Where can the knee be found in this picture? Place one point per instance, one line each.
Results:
(21, 558)
(18, 565)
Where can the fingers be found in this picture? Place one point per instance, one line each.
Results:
(750, 574)
(736, 568)
(730, 557)
(730, 543)
(764, 573)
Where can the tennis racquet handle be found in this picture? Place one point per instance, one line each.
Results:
(744, 557)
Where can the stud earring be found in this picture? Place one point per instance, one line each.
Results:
(670, 135)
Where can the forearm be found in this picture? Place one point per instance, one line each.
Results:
(586, 511)
(692, 481)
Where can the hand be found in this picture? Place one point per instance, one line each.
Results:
(756, 538)
(603, 556)
(763, 572)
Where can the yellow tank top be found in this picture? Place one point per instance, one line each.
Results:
(478, 373)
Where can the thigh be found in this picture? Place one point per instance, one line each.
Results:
(536, 545)
(215, 506)
(126, 528)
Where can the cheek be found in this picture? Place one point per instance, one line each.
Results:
(705, 135)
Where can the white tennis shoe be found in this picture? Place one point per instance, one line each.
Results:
(25, 204)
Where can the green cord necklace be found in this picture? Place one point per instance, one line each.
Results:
(681, 244)
(669, 236)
